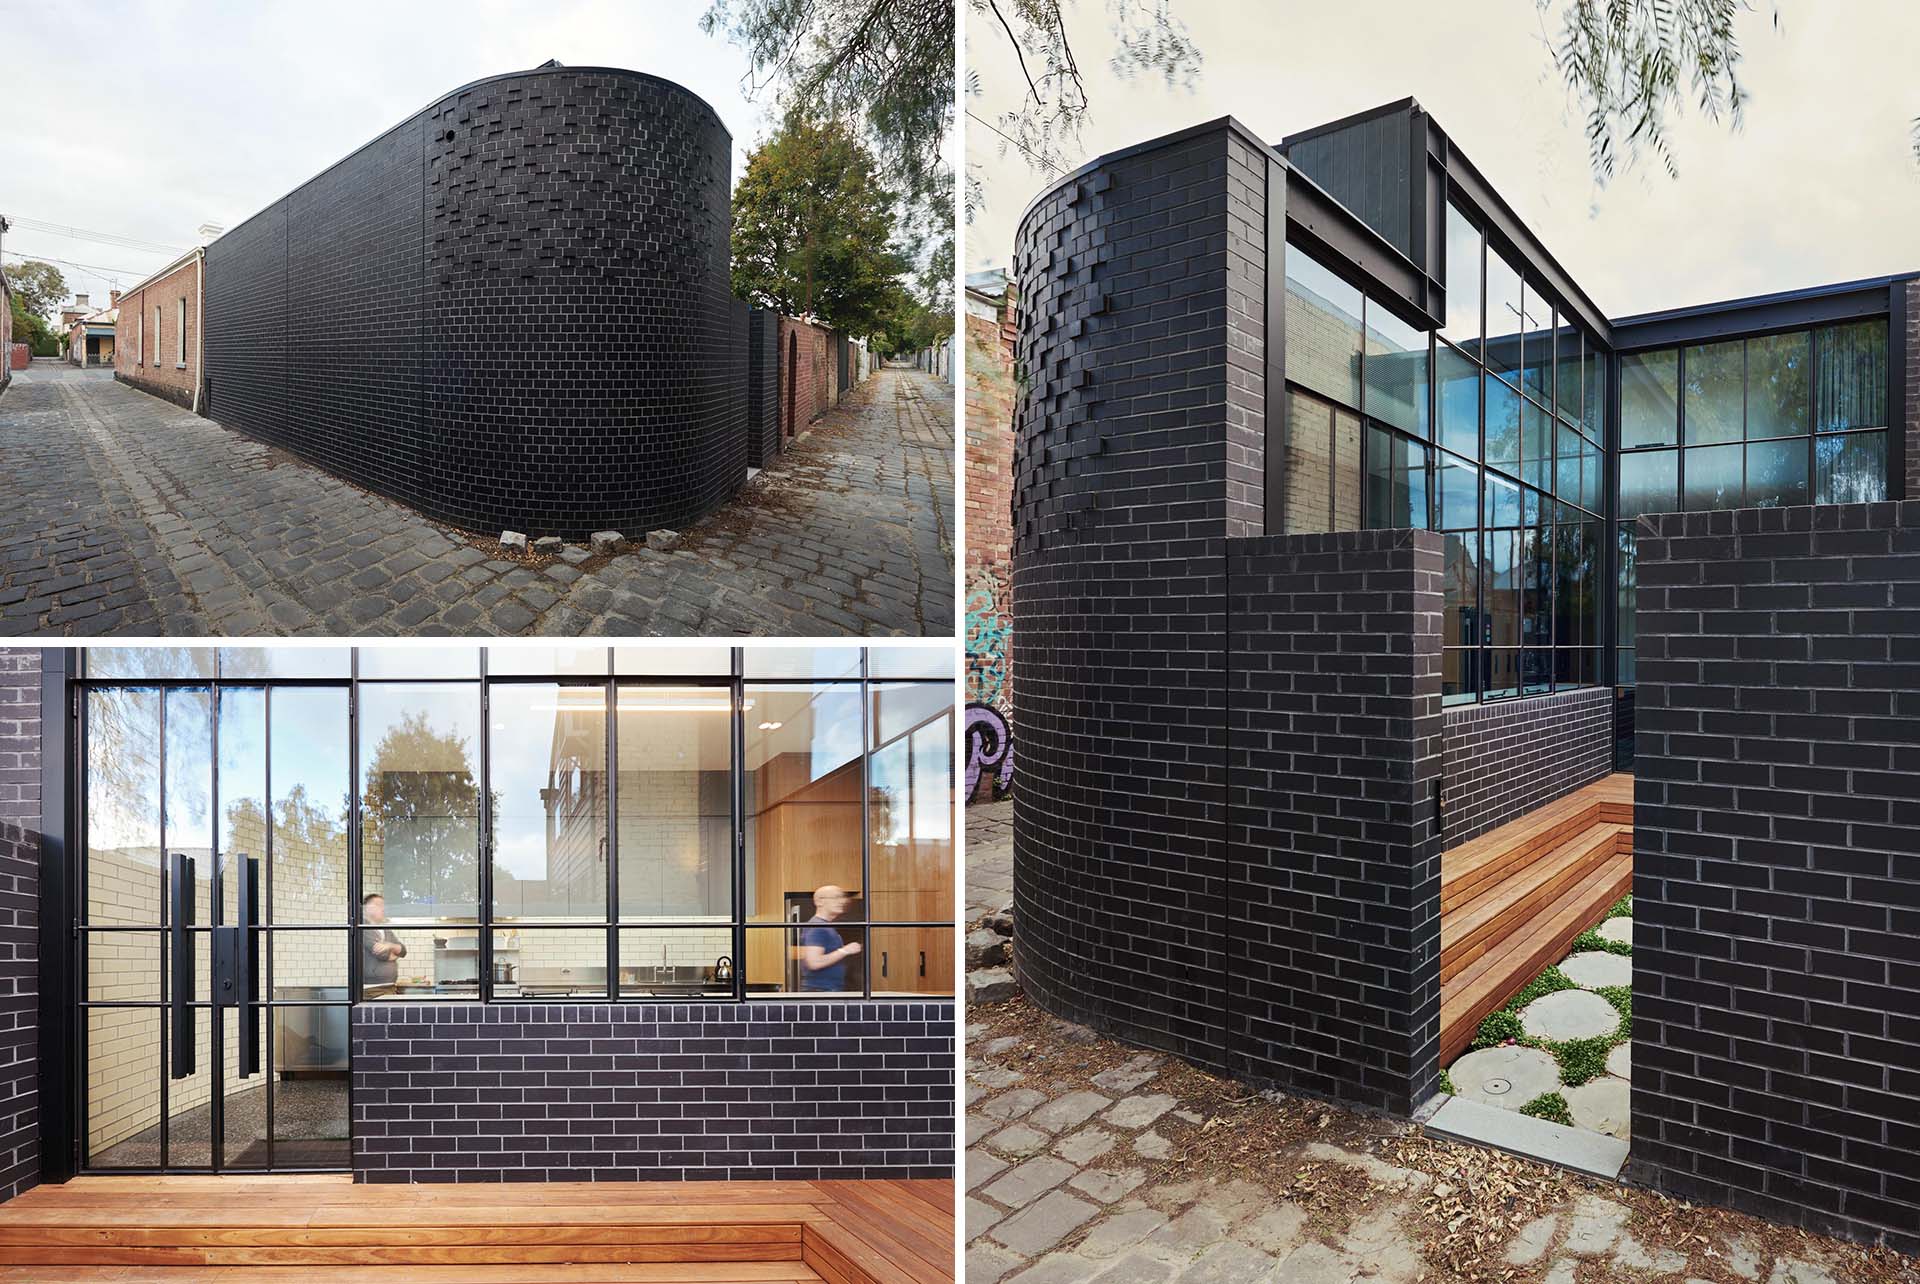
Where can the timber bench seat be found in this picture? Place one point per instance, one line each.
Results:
(173, 1229)
(1514, 898)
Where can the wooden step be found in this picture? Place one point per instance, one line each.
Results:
(1482, 988)
(1489, 920)
(1512, 900)
(250, 1228)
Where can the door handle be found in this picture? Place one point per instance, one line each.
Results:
(247, 973)
(236, 960)
(180, 939)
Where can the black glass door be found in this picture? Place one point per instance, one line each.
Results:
(213, 929)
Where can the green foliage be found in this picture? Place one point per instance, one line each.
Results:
(1498, 1028)
(1592, 940)
(1548, 982)
(881, 67)
(1446, 1084)
(38, 286)
(911, 326)
(812, 229)
(33, 329)
(1622, 908)
(1629, 62)
(1550, 1106)
(1581, 1060)
(1621, 996)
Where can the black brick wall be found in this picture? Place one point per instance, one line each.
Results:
(1121, 517)
(1333, 884)
(510, 311)
(763, 387)
(626, 1092)
(19, 920)
(1504, 759)
(1777, 865)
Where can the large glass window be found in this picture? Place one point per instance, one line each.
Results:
(1506, 317)
(512, 843)
(1323, 330)
(1852, 377)
(1778, 385)
(1715, 392)
(1463, 281)
(1396, 371)
(1650, 399)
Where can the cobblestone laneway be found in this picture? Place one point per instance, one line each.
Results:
(123, 514)
(1091, 1161)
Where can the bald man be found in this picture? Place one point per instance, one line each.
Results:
(823, 955)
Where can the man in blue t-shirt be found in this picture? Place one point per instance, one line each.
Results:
(823, 955)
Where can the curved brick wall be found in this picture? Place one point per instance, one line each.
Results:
(511, 310)
(1120, 516)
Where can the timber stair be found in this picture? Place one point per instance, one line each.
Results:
(167, 1229)
(1513, 899)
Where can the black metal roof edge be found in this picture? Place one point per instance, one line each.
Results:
(1537, 249)
(1801, 294)
(1218, 124)
(550, 68)
(1228, 124)
(1407, 104)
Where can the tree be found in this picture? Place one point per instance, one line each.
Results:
(1628, 61)
(421, 805)
(33, 329)
(813, 226)
(883, 67)
(913, 325)
(40, 286)
(1045, 127)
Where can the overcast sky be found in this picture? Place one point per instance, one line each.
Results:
(146, 119)
(1820, 186)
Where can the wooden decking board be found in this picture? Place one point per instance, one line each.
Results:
(233, 1228)
(1514, 899)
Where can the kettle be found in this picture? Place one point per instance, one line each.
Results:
(723, 968)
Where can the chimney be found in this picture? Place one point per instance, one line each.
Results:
(80, 301)
(113, 298)
(210, 232)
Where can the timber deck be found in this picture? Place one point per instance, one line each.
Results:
(1513, 899)
(175, 1229)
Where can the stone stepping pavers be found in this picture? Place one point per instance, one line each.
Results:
(1617, 930)
(1508, 1077)
(1620, 1061)
(1597, 969)
(1570, 1014)
(1600, 1105)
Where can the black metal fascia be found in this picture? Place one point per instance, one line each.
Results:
(1336, 236)
(1788, 310)
(59, 1008)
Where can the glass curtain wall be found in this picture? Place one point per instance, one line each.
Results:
(1764, 421)
(1488, 431)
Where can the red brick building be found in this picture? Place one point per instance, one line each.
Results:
(159, 348)
(989, 470)
(806, 374)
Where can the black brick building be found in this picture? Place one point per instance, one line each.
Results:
(511, 310)
(1255, 708)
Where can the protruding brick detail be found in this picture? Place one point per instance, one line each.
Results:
(1508, 757)
(1776, 1035)
(652, 1092)
(1120, 459)
(511, 311)
(1333, 871)
(20, 816)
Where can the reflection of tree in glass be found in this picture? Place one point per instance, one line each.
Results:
(301, 831)
(123, 768)
(421, 803)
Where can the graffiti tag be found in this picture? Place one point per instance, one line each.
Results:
(989, 749)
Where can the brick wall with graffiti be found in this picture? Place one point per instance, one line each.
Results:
(989, 564)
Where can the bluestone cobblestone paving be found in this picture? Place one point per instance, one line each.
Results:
(127, 515)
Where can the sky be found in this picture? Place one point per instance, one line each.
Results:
(1821, 185)
(155, 117)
